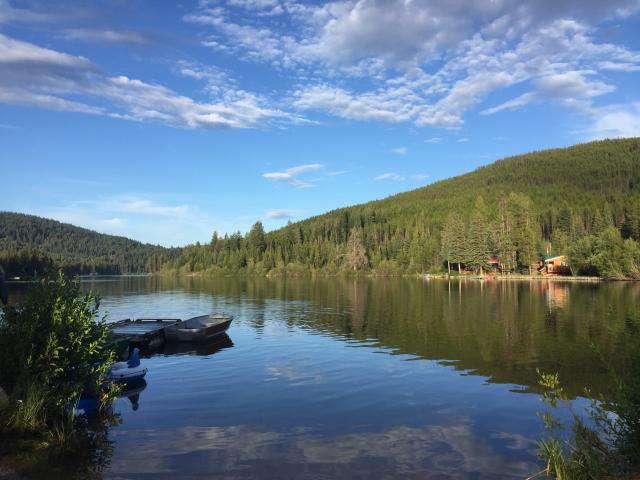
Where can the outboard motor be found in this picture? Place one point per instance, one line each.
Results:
(134, 358)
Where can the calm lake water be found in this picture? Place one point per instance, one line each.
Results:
(370, 378)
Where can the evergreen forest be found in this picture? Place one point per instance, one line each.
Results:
(32, 246)
(582, 202)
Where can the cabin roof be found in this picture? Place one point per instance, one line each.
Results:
(549, 259)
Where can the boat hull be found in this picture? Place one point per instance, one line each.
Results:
(198, 329)
(128, 375)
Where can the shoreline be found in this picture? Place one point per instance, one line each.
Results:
(557, 278)
(425, 276)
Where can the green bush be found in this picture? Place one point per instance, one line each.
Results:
(52, 348)
(388, 268)
(606, 254)
(604, 443)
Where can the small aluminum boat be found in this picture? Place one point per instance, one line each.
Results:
(198, 329)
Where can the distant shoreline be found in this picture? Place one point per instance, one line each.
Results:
(514, 277)
(524, 277)
(424, 276)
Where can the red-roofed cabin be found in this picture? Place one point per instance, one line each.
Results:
(493, 262)
(558, 265)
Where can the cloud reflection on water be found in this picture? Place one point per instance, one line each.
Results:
(243, 451)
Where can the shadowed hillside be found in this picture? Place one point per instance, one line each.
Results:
(29, 243)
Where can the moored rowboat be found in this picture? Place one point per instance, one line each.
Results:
(198, 329)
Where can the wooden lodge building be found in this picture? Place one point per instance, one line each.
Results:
(558, 265)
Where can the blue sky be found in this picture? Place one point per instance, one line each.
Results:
(164, 121)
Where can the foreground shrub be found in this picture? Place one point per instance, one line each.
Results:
(604, 443)
(52, 347)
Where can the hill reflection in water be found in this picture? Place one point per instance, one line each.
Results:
(502, 330)
(365, 378)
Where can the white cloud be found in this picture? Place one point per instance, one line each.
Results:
(15, 53)
(573, 88)
(108, 36)
(462, 140)
(619, 66)
(512, 104)
(433, 140)
(23, 15)
(400, 151)
(114, 222)
(85, 219)
(616, 122)
(427, 63)
(419, 176)
(395, 31)
(382, 105)
(303, 168)
(559, 60)
(572, 84)
(261, 7)
(258, 44)
(139, 217)
(390, 176)
(280, 213)
(290, 175)
(558, 57)
(144, 206)
(45, 78)
(481, 48)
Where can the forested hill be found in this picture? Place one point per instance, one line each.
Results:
(581, 177)
(29, 243)
(582, 201)
(519, 209)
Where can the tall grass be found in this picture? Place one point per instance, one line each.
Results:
(29, 409)
(604, 441)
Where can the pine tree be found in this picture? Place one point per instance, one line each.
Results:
(447, 241)
(504, 244)
(524, 234)
(602, 220)
(478, 237)
(563, 221)
(256, 243)
(454, 233)
(356, 255)
(632, 222)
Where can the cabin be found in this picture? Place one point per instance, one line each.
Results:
(493, 263)
(558, 265)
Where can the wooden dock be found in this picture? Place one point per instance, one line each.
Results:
(147, 334)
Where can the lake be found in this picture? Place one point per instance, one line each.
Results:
(336, 378)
